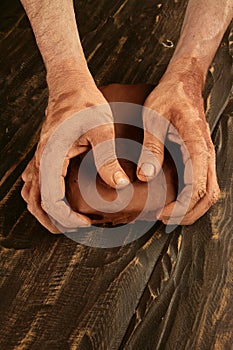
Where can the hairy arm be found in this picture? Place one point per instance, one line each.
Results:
(71, 89)
(56, 32)
(204, 25)
(178, 98)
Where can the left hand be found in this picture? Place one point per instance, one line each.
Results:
(178, 98)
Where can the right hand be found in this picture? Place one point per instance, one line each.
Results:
(69, 93)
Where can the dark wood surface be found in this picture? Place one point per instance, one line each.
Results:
(160, 292)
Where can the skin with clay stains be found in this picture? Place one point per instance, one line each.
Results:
(178, 97)
(142, 205)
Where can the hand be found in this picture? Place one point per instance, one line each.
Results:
(178, 98)
(69, 93)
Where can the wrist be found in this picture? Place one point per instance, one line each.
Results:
(68, 75)
(188, 68)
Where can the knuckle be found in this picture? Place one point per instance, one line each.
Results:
(199, 190)
(99, 133)
(28, 177)
(24, 176)
(23, 194)
(106, 162)
(154, 148)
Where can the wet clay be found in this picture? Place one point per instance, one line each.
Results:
(99, 201)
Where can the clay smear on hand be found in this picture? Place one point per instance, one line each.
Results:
(147, 199)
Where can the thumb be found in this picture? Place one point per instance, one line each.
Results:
(151, 158)
(107, 165)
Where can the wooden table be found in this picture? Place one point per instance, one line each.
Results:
(163, 291)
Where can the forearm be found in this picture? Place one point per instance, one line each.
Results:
(204, 25)
(56, 33)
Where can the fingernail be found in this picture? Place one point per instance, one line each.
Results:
(120, 179)
(147, 169)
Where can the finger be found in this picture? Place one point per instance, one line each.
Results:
(152, 154)
(201, 208)
(27, 177)
(43, 218)
(178, 208)
(198, 211)
(151, 158)
(28, 171)
(25, 191)
(186, 200)
(195, 158)
(212, 195)
(52, 170)
(189, 196)
(53, 201)
(31, 195)
(204, 203)
(107, 165)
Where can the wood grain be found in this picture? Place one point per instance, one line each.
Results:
(159, 292)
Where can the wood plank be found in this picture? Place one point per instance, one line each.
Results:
(161, 291)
